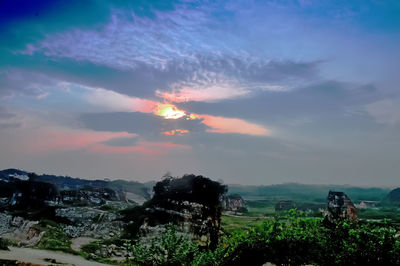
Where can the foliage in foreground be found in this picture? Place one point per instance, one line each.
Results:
(292, 241)
(3, 244)
(167, 249)
(54, 238)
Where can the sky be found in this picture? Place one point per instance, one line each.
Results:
(247, 92)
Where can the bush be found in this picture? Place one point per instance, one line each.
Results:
(290, 240)
(167, 249)
(303, 240)
(4, 244)
(54, 238)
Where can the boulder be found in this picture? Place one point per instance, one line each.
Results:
(339, 206)
(234, 203)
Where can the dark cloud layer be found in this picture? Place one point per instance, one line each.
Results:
(146, 125)
(326, 97)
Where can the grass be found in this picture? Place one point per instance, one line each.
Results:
(380, 214)
(232, 223)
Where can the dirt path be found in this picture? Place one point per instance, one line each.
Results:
(38, 256)
(79, 242)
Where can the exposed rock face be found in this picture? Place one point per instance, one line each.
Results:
(5, 223)
(339, 206)
(90, 196)
(193, 203)
(20, 190)
(90, 222)
(23, 232)
(234, 203)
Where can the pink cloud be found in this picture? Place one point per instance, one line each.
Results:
(118, 102)
(62, 139)
(219, 124)
(175, 132)
(115, 101)
(56, 139)
(204, 87)
(211, 93)
(145, 147)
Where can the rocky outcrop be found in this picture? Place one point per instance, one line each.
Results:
(90, 222)
(339, 206)
(192, 203)
(20, 189)
(188, 216)
(19, 230)
(234, 203)
(5, 223)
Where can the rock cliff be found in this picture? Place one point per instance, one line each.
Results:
(339, 206)
(234, 203)
(193, 203)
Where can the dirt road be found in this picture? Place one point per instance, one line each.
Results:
(38, 256)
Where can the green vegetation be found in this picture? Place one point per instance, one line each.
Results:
(232, 223)
(305, 193)
(8, 262)
(390, 214)
(167, 249)
(290, 240)
(261, 207)
(3, 244)
(54, 238)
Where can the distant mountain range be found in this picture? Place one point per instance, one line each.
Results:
(70, 183)
(316, 193)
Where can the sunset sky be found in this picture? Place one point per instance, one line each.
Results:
(248, 92)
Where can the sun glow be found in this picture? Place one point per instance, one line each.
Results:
(175, 132)
(168, 111)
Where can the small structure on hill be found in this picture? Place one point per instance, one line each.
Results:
(339, 206)
(368, 204)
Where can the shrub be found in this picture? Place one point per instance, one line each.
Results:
(167, 249)
(54, 238)
(290, 240)
(4, 244)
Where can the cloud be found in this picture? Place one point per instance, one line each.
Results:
(175, 132)
(174, 55)
(113, 101)
(224, 77)
(130, 39)
(13, 82)
(9, 125)
(55, 139)
(5, 114)
(204, 87)
(117, 102)
(218, 124)
(385, 111)
(146, 125)
(145, 147)
(8, 119)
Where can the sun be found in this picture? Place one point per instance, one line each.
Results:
(169, 111)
